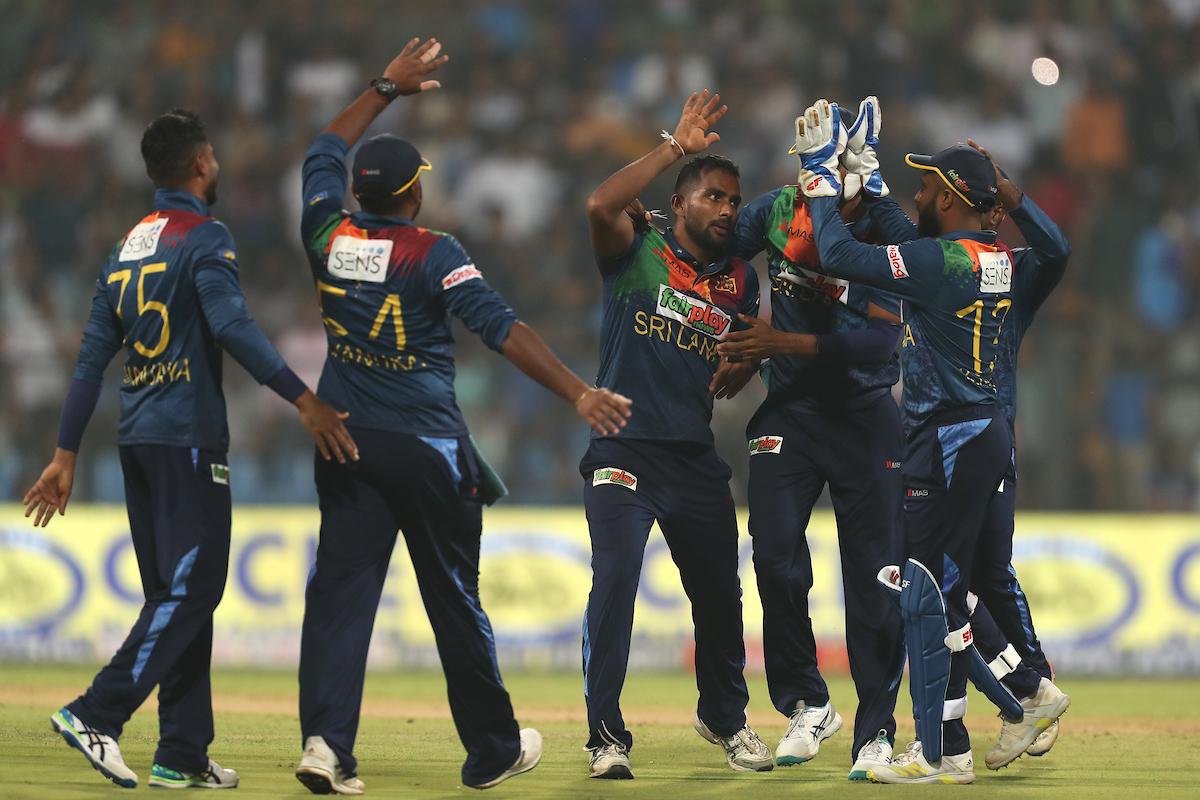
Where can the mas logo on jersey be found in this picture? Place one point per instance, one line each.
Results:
(916, 493)
(995, 273)
(766, 444)
(467, 272)
(695, 314)
(355, 259)
(615, 476)
(889, 464)
(142, 241)
(896, 262)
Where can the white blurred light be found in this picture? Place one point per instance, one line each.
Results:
(1045, 71)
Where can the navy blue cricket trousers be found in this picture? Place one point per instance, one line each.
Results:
(858, 454)
(179, 518)
(402, 483)
(628, 485)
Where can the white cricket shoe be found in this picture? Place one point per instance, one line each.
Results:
(875, 753)
(745, 750)
(1044, 741)
(214, 777)
(610, 762)
(320, 771)
(911, 767)
(531, 754)
(100, 750)
(808, 727)
(1047, 705)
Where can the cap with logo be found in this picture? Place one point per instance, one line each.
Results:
(384, 166)
(969, 173)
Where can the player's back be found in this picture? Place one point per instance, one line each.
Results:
(171, 384)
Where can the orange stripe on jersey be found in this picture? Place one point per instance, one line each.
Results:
(345, 228)
(974, 248)
(801, 246)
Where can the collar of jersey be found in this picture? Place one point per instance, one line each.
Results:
(987, 237)
(691, 260)
(165, 199)
(380, 219)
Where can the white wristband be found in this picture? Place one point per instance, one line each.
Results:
(671, 139)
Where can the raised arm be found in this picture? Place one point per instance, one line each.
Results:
(611, 229)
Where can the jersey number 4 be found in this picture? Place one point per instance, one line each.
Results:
(391, 308)
(124, 276)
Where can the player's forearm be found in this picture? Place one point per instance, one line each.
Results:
(888, 222)
(530, 354)
(841, 254)
(1041, 233)
(873, 344)
(609, 200)
(357, 117)
(77, 412)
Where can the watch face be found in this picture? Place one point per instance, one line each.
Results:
(385, 87)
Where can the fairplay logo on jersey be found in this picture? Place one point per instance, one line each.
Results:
(615, 476)
(696, 314)
(766, 444)
(995, 273)
(834, 289)
(896, 262)
(467, 272)
(142, 241)
(355, 259)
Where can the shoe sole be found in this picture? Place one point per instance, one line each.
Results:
(69, 737)
(1029, 751)
(316, 782)
(512, 772)
(617, 772)
(952, 779)
(1063, 704)
(792, 761)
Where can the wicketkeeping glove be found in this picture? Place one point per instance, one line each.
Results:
(820, 139)
(859, 158)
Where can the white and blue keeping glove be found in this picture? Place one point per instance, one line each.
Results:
(859, 158)
(820, 139)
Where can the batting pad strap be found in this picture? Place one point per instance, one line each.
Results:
(972, 602)
(954, 709)
(960, 639)
(1005, 663)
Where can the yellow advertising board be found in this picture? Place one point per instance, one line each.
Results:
(1108, 593)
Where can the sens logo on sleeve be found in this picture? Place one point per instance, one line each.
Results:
(354, 259)
(995, 273)
(766, 444)
(616, 476)
(142, 241)
(467, 272)
(896, 262)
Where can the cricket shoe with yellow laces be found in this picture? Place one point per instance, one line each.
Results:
(1041, 711)
(911, 767)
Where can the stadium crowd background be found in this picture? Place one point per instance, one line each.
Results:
(541, 101)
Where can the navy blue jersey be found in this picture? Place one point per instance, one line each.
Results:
(1037, 269)
(664, 314)
(169, 293)
(956, 290)
(805, 299)
(387, 289)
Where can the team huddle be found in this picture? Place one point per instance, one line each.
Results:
(923, 494)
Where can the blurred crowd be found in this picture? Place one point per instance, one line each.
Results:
(540, 102)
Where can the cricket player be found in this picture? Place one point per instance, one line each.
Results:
(829, 418)
(669, 298)
(956, 284)
(1037, 270)
(169, 294)
(387, 289)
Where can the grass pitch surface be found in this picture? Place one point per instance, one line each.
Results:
(1119, 738)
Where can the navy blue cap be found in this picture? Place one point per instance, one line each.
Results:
(385, 165)
(969, 173)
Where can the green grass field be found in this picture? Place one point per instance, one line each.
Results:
(1119, 737)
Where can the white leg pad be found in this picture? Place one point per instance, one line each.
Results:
(954, 709)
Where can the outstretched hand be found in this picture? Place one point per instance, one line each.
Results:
(416, 60)
(52, 490)
(699, 114)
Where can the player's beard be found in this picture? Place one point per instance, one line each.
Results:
(210, 193)
(700, 233)
(927, 221)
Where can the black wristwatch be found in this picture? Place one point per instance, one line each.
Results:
(386, 88)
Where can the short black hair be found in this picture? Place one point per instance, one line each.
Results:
(694, 169)
(169, 145)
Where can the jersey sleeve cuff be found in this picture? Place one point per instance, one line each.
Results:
(287, 384)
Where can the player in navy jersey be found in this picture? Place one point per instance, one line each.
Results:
(1005, 635)
(669, 298)
(829, 417)
(169, 294)
(956, 284)
(387, 289)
